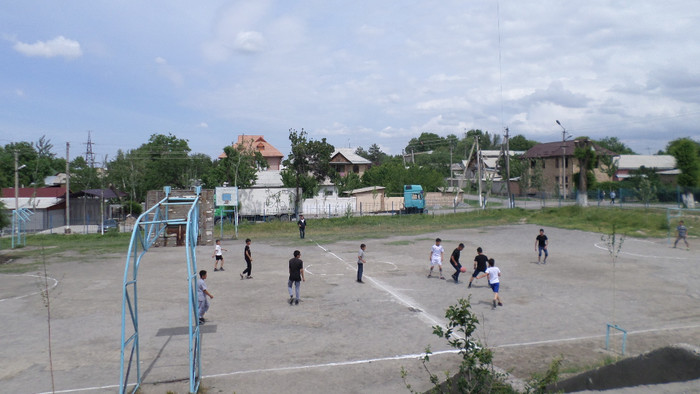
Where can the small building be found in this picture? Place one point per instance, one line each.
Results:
(49, 206)
(346, 161)
(369, 199)
(257, 143)
(663, 165)
(559, 165)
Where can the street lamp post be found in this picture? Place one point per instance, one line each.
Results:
(563, 158)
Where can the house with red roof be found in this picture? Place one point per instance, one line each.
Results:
(257, 143)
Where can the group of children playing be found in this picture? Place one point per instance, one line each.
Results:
(437, 253)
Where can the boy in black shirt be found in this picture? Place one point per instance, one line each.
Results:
(541, 243)
(454, 260)
(479, 264)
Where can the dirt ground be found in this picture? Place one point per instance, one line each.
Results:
(347, 337)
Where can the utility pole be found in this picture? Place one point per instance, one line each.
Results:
(478, 170)
(451, 174)
(510, 201)
(16, 180)
(67, 230)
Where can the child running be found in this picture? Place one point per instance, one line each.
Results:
(218, 255)
(436, 254)
(494, 275)
(682, 234)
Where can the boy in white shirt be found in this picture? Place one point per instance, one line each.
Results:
(494, 275)
(437, 252)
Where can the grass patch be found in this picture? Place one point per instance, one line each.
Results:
(631, 222)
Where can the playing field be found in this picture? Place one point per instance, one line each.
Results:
(346, 337)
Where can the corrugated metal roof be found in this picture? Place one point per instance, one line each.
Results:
(32, 192)
(350, 155)
(660, 162)
(31, 203)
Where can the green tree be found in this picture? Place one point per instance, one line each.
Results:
(360, 151)
(687, 154)
(375, 154)
(348, 182)
(393, 175)
(38, 164)
(239, 167)
(82, 176)
(615, 145)
(166, 158)
(519, 142)
(308, 158)
(586, 156)
(475, 371)
(5, 220)
(425, 142)
(124, 172)
(608, 165)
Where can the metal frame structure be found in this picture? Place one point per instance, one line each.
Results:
(607, 336)
(147, 229)
(19, 218)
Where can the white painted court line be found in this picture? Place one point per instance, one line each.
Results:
(55, 283)
(602, 246)
(594, 336)
(426, 317)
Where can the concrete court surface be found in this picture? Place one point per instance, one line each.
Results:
(346, 337)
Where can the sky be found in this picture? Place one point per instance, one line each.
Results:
(356, 73)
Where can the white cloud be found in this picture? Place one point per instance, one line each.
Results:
(249, 41)
(59, 46)
(203, 125)
(169, 72)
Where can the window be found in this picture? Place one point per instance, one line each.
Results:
(261, 147)
(328, 193)
(556, 162)
(355, 168)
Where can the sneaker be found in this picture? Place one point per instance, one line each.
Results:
(430, 275)
(296, 302)
(241, 276)
(249, 277)
(544, 262)
(221, 269)
(291, 299)
(360, 281)
(201, 320)
(216, 269)
(442, 277)
(494, 304)
(470, 285)
(500, 304)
